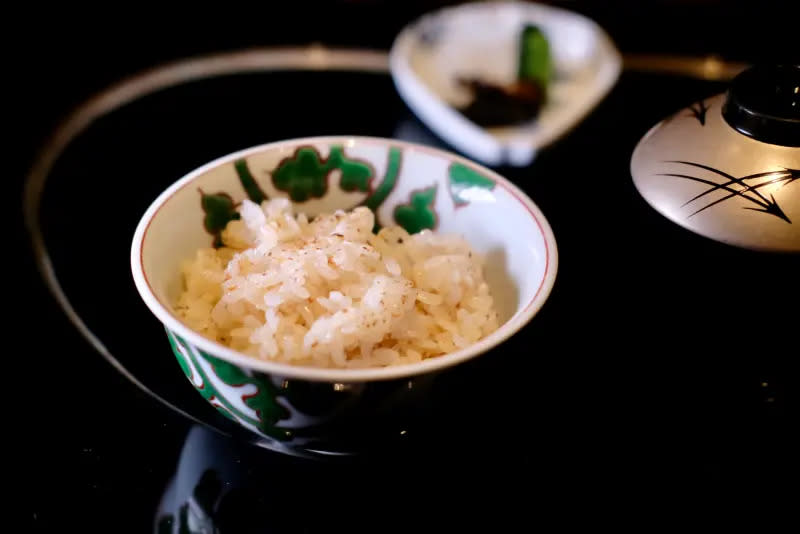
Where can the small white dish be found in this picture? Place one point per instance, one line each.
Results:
(481, 40)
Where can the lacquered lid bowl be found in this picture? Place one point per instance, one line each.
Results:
(728, 167)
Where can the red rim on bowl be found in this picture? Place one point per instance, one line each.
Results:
(163, 312)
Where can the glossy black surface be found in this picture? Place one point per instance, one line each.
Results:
(657, 386)
(764, 103)
(654, 362)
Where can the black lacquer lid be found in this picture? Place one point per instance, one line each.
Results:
(763, 102)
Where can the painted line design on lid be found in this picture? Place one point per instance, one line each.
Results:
(746, 187)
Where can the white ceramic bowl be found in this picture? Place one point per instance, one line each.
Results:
(440, 189)
(479, 39)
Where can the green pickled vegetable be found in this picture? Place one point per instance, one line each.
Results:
(535, 64)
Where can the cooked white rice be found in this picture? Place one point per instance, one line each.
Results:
(330, 293)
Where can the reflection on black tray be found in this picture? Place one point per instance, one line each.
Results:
(605, 382)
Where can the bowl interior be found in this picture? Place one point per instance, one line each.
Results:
(406, 184)
(481, 41)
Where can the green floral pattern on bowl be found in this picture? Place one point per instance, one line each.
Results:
(247, 398)
(307, 175)
(290, 413)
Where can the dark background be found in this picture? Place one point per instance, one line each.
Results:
(63, 54)
(731, 458)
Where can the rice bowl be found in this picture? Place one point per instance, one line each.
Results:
(235, 239)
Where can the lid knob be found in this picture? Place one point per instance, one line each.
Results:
(763, 102)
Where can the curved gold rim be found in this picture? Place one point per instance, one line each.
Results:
(313, 58)
(710, 68)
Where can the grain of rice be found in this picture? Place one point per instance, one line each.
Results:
(330, 293)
